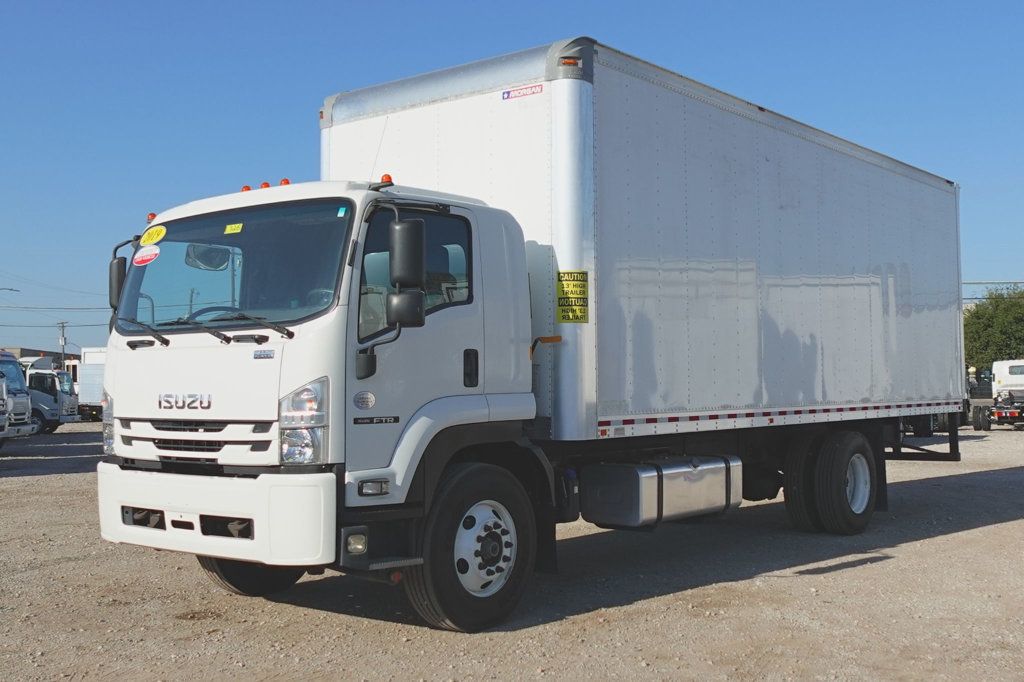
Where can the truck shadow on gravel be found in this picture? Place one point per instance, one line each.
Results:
(54, 453)
(617, 568)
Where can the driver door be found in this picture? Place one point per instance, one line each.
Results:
(440, 359)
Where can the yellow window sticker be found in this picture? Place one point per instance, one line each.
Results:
(234, 228)
(152, 235)
(573, 293)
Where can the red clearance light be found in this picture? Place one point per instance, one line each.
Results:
(570, 61)
(150, 217)
(246, 188)
(386, 178)
(264, 185)
(285, 181)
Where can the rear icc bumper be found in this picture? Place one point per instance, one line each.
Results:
(292, 515)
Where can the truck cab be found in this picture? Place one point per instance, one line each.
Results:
(17, 420)
(52, 392)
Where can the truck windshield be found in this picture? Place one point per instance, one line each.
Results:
(65, 384)
(12, 374)
(277, 262)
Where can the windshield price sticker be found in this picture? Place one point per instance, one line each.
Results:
(573, 293)
(146, 255)
(234, 228)
(153, 235)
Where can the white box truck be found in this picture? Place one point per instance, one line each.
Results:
(90, 382)
(661, 300)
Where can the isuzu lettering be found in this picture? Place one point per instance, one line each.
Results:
(660, 300)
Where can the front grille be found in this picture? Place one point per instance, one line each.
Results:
(189, 425)
(188, 445)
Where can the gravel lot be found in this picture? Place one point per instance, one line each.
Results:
(934, 589)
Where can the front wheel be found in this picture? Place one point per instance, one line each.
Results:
(478, 544)
(249, 578)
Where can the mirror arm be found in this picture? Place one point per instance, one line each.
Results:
(369, 350)
(126, 242)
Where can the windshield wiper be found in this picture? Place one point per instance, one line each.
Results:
(279, 328)
(164, 341)
(182, 321)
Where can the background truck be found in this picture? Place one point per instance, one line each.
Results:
(52, 393)
(17, 403)
(1007, 406)
(661, 301)
(90, 383)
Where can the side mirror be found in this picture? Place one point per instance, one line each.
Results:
(406, 308)
(115, 279)
(407, 243)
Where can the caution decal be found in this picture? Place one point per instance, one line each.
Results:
(573, 291)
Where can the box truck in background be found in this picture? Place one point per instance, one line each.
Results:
(90, 382)
(660, 300)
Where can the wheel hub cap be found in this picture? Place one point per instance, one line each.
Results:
(485, 548)
(858, 483)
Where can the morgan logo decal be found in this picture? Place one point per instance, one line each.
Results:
(523, 92)
(184, 401)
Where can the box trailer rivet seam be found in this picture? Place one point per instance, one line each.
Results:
(587, 290)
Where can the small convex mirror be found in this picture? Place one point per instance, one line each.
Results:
(206, 257)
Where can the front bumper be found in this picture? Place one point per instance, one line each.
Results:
(19, 430)
(292, 515)
(70, 418)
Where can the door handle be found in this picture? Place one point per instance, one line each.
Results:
(470, 368)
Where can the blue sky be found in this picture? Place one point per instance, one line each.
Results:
(111, 110)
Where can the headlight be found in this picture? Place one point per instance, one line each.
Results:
(108, 423)
(303, 424)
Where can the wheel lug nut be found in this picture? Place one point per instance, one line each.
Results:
(481, 566)
(506, 558)
(487, 527)
(476, 553)
(491, 572)
(499, 569)
(504, 532)
(497, 525)
(508, 545)
(479, 538)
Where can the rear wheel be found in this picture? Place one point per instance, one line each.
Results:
(248, 578)
(798, 484)
(845, 482)
(976, 418)
(478, 545)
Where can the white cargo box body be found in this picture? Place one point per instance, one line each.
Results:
(742, 269)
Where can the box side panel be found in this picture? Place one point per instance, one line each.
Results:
(745, 267)
(491, 146)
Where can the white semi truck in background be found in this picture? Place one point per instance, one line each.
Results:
(660, 300)
(52, 391)
(16, 418)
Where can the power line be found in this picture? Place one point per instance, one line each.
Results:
(49, 326)
(51, 307)
(47, 285)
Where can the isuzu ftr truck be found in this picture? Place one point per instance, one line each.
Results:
(659, 301)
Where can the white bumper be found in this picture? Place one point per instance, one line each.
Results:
(18, 431)
(293, 515)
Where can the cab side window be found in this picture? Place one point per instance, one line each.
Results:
(449, 267)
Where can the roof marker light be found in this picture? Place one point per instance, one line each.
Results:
(246, 188)
(264, 185)
(150, 217)
(386, 178)
(569, 61)
(285, 181)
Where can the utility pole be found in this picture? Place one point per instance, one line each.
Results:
(63, 341)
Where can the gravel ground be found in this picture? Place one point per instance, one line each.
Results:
(933, 589)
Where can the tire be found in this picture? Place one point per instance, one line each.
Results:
(986, 420)
(798, 484)
(40, 421)
(248, 578)
(447, 590)
(845, 508)
(976, 418)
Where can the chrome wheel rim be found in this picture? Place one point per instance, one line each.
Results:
(485, 548)
(858, 483)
